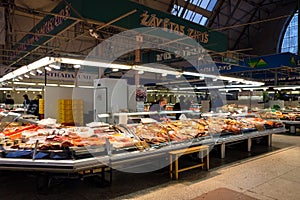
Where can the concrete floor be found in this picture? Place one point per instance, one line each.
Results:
(273, 175)
(268, 174)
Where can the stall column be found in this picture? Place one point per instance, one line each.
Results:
(139, 40)
(298, 27)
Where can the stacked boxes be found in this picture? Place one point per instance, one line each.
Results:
(70, 111)
(41, 106)
(77, 107)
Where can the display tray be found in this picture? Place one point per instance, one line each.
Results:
(223, 133)
(248, 130)
(31, 154)
(72, 153)
(267, 126)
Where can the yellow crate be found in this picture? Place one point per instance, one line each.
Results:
(77, 106)
(77, 112)
(65, 119)
(77, 102)
(65, 101)
(65, 106)
(65, 112)
(66, 122)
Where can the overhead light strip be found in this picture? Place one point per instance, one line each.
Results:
(54, 60)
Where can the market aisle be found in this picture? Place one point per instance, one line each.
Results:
(275, 175)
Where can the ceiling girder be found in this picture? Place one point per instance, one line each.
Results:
(215, 12)
(245, 28)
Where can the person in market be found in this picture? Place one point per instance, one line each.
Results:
(26, 101)
(33, 107)
(159, 107)
(181, 105)
(9, 102)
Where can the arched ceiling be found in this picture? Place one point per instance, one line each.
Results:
(252, 26)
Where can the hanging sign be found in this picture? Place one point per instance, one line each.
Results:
(151, 20)
(50, 25)
(67, 76)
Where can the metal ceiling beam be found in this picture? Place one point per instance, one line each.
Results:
(41, 13)
(215, 12)
(171, 5)
(18, 60)
(184, 7)
(187, 5)
(258, 6)
(232, 12)
(244, 29)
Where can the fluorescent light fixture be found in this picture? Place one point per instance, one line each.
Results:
(239, 86)
(210, 87)
(55, 65)
(226, 78)
(69, 86)
(256, 83)
(20, 77)
(115, 69)
(32, 73)
(27, 68)
(196, 74)
(93, 63)
(152, 90)
(35, 89)
(48, 69)
(164, 74)
(151, 68)
(230, 89)
(48, 84)
(76, 66)
(257, 88)
(231, 79)
(39, 71)
(287, 88)
(41, 63)
(29, 89)
(3, 89)
(186, 88)
(24, 83)
(26, 76)
(86, 86)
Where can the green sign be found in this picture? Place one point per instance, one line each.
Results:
(50, 25)
(256, 63)
(106, 11)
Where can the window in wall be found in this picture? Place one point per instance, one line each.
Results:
(207, 5)
(192, 15)
(290, 39)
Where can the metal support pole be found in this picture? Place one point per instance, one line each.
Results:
(298, 28)
(269, 140)
(45, 81)
(223, 150)
(249, 144)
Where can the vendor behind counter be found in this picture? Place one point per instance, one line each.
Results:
(33, 107)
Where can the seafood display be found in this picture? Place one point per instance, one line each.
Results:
(101, 136)
(32, 136)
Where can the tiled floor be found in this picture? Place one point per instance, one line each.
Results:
(265, 174)
(270, 176)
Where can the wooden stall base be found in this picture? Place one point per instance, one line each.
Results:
(177, 153)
